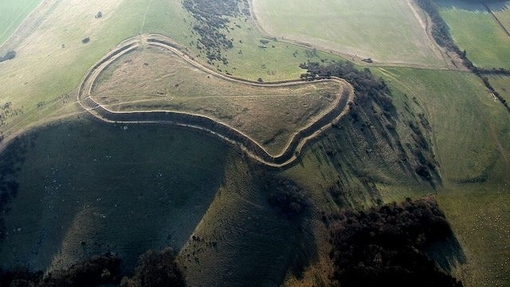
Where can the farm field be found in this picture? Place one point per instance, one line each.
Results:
(401, 39)
(475, 30)
(13, 14)
(154, 79)
(502, 11)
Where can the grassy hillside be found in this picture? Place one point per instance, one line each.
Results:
(178, 85)
(386, 31)
(471, 138)
(475, 30)
(94, 187)
(13, 13)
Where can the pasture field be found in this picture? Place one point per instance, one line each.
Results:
(502, 86)
(479, 217)
(475, 30)
(386, 31)
(502, 11)
(470, 126)
(256, 55)
(123, 188)
(154, 79)
(472, 140)
(52, 59)
(13, 14)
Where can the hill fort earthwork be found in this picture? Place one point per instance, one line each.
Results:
(177, 90)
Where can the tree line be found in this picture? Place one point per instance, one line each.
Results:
(154, 269)
(441, 34)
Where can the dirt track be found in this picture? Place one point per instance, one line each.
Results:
(252, 148)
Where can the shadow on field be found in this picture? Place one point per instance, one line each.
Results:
(448, 254)
(87, 187)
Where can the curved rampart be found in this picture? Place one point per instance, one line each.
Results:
(244, 142)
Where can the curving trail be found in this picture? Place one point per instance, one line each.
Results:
(237, 138)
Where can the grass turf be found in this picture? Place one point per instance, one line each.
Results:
(387, 31)
(475, 30)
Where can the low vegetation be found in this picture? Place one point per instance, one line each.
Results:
(179, 85)
(386, 31)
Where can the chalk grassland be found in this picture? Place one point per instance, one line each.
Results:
(386, 31)
(502, 86)
(256, 55)
(110, 187)
(472, 143)
(247, 233)
(479, 217)
(152, 79)
(13, 14)
(475, 30)
(51, 59)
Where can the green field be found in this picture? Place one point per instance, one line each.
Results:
(475, 30)
(502, 86)
(502, 11)
(399, 38)
(469, 138)
(13, 14)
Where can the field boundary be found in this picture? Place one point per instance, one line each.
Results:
(225, 132)
(496, 18)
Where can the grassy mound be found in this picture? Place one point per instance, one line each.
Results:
(155, 79)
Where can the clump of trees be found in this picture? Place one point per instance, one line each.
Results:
(284, 195)
(384, 246)
(212, 19)
(97, 270)
(365, 84)
(156, 268)
(85, 40)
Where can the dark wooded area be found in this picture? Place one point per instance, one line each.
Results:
(384, 246)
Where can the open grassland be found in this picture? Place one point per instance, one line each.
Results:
(472, 142)
(155, 79)
(475, 30)
(93, 187)
(502, 86)
(502, 12)
(386, 31)
(12, 15)
(242, 229)
(52, 59)
(257, 55)
(480, 219)
(470, 126)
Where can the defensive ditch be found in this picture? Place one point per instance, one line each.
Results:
(237, 138)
